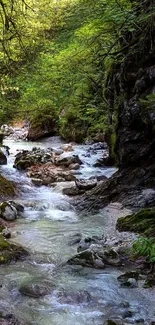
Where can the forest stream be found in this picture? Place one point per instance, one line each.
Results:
(79, 295)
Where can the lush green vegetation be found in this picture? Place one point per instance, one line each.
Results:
(57, 58)
(145, 247)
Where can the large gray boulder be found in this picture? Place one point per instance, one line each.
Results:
(35, 289)
(9, 210)
(96, 256)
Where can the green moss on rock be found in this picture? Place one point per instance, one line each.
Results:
(7, 188)
(10, 252)
(142, 222)
(23, 164)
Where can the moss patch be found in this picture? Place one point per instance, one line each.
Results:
(10, 252)
(142, 222)
(7, 188)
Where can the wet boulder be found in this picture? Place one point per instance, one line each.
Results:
(9, 210)
(72, 191)
(110, 256)
(49, 174)
(88, 241)
(34, 289)
(68, 160)
(3, 158)
(96, 256)
(80, 187)
(37, 181)
(129, 283)
(10, 252)
(26, 158)
(131, 274)
(86, 184)
(99, 146)
(19, 207)
(74, 166)
(58, 151)
(87, 258)
(74, 298)
(67, 147)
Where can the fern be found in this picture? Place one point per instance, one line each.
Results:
(145, 247)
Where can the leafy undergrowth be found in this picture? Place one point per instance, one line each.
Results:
(145, 247)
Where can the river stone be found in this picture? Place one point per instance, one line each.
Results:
(88, 258)
(36, 156)
(19, 207)
(130, 283)
(34, 289)
(67, 147)
(58, 151)
(8, 211)
(74, 298)
(97, 256)
(74, 166)
(88, 241)
(72, 191)
(37, 181)
(128, 275)
(85, 184)
(69, 160)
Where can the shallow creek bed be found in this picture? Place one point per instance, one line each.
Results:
(43, 289)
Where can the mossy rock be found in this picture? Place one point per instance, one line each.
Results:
(10, 252)
(8, 211)
(7, 188)
(142, 222)
(23, 164)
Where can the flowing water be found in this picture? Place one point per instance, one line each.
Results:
(49, 223)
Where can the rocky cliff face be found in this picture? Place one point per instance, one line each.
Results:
(135, 132)
(128, 85)
(130, 82)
